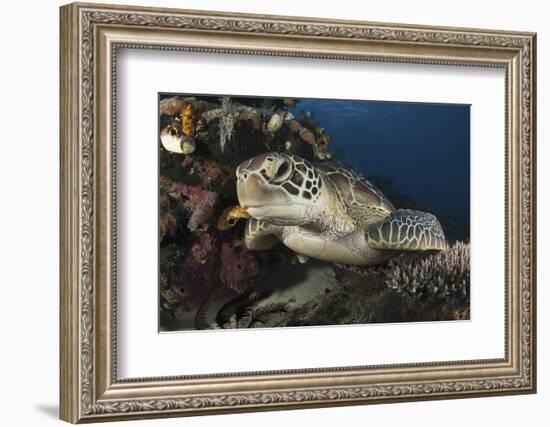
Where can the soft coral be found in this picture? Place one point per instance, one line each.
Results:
(237, 265)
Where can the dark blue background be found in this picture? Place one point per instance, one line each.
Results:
(423, 148)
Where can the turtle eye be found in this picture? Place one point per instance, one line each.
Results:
(173, 131)
(282, 172)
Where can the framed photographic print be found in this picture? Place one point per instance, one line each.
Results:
(267, 212)
(319, 244)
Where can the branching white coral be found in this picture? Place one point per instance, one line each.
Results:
(445, 274)
(227, 121)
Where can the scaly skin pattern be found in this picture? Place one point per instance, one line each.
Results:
(408, 230)
(322, 211)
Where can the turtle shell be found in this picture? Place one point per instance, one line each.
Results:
(361, 198)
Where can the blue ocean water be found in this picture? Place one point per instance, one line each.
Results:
(423, 148)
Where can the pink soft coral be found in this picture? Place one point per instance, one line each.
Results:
(192, 289)
(204, 248)
(237, 265)
(193, 193)
(195, 280)
(200, 201)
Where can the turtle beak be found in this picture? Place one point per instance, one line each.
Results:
(250, 191)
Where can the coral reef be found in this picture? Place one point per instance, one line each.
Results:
(443, 275)
(312, 134)
(188, 119)
(167, 221)
(194, 283)
(175, 141)
(227, 121)
(171, 106)
(237, 265)
(203, 249)
(177, 136)
(230, 216)
(349, 296)
(185, 281)
(202, 211)
(201, 203)
(208, 279)
(433, 286)
(275, 123)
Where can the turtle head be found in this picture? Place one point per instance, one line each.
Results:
(279, 188)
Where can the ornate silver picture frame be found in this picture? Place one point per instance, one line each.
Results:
(91, 36)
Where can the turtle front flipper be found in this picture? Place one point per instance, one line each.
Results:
(260, 235)
(407, 230)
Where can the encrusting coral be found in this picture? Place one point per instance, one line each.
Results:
(443, 275)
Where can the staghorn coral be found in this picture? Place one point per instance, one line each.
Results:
(443, 275)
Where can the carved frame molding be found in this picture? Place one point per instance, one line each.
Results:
(90, 36)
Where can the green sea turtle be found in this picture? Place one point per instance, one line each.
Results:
(327, 211)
